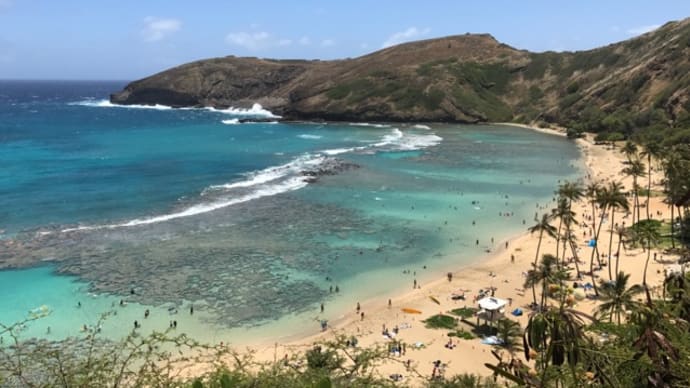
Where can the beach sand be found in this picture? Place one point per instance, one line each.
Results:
(494, 270)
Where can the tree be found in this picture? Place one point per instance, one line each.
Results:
(647, 233)
(571, 191)
(510, 334)
(593, 192)
(542, 226)
(635, 169)
(564, 215)
(623, 237)
(613, 199)
(652, 150)
(617, 297)
(546, 273)
(629, 150)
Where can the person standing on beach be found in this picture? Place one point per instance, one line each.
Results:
(358, 307)
(321, 307)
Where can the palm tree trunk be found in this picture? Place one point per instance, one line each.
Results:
(649, 181)
(618, 253)
(646, 263)
(613, 214)
(636, 200)
(596, 251)
(558, 237)
(673, 228)
(573, 249)
(536, 259)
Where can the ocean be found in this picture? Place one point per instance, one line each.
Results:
(117, 210)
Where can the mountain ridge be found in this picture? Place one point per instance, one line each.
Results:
(638, 83)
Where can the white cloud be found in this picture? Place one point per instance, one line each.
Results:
(411, 33)
(156, 29)
(327, 42)
(643, 29)
(249, 40)
(305, 41)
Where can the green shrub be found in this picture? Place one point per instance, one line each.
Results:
(461, 334)
(440, 321)
(465, 312)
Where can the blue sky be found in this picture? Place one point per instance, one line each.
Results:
(125, 39)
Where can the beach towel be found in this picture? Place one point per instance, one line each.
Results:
(492, 340)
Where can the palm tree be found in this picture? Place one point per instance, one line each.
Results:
(623, 237)
(571, 239)
(546, 273)
(651, 150)
(557, 335)
(647, 234)
(572, 191)
(593, 192)
(615, 199)
(629, 150)
(563, 213)
(542, 226)
(510, 334)
(617, 297)
(676, 180)
(635, 169)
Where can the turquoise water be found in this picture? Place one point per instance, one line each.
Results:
(189, 207)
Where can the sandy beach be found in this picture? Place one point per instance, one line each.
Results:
(496, 270)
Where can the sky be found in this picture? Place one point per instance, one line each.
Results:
(127, 39)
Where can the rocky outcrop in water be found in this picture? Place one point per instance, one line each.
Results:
(330, 166)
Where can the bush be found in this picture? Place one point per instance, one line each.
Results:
(440, 321)
(461, 334)
(465, 312)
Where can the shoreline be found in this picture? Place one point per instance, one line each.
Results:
(454, 263)
(495, 269)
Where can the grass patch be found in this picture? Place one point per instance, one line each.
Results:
(461, 334)
(465, 312)
(440, 321)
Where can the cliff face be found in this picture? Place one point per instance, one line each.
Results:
(469, 78)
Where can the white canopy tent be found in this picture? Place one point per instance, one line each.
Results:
(492, 304)
(491, 309)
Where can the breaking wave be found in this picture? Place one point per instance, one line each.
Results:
(255, 111)
(107, 104)
(307, 136)
(275, 179)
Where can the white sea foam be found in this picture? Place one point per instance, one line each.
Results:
(277, 179)
(272, 173)
(255, 111)
(291, 184)
(231, 121)
(421, 126)
(391, 138)
(307, 136)
(370, 125)
(107, 104)
(338, 151)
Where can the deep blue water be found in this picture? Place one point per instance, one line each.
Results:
(189, 206)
